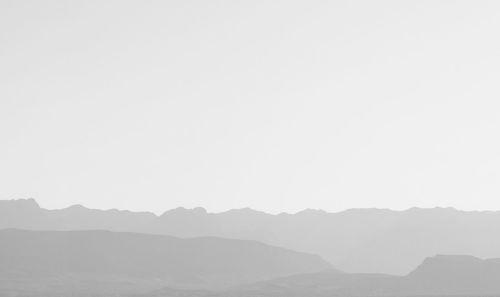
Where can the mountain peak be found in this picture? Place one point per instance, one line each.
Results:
(310, 211)
(245, 211)
(76, 206)
(28, 203)
(440, 264)
(183, 211)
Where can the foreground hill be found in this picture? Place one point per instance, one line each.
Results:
(42, 261)
(436, 276)
(358, 240)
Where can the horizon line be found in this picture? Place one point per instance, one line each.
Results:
(205, 211)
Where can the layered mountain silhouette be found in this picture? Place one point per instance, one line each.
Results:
(357, 240)
(51, 258)
(105, 263)
(441, 275)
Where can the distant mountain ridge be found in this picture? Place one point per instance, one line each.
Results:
(356, 240)
(442, 275)
(54, 258)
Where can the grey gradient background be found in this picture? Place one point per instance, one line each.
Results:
(275, 105)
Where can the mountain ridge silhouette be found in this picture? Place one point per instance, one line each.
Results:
(355, 240)
(440, 279)
(203, 262)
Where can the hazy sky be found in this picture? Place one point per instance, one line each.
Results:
(274, 105)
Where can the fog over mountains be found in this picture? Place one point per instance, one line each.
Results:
(437, 276)
(356, 240)
(82, 252)
(47, 258)
(105, 263)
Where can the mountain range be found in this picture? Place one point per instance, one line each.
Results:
(441, 275)
(356, 240)
(104, 262)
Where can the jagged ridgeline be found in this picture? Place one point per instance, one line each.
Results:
(357, 240)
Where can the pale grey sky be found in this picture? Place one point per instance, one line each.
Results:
(274, 105)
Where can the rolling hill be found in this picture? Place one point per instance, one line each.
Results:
(356, 240)
(442, 275)
(128, 262)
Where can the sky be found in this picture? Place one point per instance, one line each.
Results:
(274, 105)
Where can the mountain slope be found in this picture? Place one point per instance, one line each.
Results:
(452, 274)
(436, 276)
(45, 256)
(357, 240)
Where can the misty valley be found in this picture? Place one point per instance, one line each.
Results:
(78, 251)
(249, 148)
